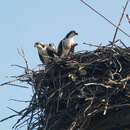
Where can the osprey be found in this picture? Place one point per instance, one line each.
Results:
(52, 45)
(71, 52)
(46, 52)
(67, 44)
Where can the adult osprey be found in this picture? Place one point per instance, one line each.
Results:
(46, 52)
(67, 44)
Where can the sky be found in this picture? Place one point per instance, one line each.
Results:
(24, 22)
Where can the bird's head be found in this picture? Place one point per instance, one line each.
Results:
(71, 34)
(39, 45)
(52, 45)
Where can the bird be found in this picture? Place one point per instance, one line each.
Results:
(52, 45)
(67, 44)
(46, 52)
(71, 52)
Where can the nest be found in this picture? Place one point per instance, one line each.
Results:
(87, 91)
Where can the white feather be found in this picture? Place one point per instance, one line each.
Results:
(42, 50)
(67, 44)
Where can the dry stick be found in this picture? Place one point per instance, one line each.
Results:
(13, 115)
(18, 100)
(117, 28)
(14, 110)
(104, 17)
(127, 16)
(6, 83)
(25, 60)
(89, 44)
(14, 65)
(18, 66)
(17, 126)
(24, 57)
(8, 117)
(123, 43)
(21, 86)
(31, 118)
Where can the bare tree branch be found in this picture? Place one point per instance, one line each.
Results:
(104, 17)
(25, 59)
(117, 28)
(127, 16)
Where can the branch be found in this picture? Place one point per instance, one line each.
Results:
(127, 16)
(117, 28)
(89, 44)
(104, 17)
(6, 83)
(24, 57)
(19, 100)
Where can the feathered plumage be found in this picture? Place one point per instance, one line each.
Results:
(46, 52)
(67, 44)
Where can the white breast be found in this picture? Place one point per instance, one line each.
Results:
(42, 51)
(68, 42)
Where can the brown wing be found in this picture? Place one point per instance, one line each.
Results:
(45, 59)
(72, 48)
(51, 51)
(42, 59)
(60, 49)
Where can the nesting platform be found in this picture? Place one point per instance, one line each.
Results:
(86, 91)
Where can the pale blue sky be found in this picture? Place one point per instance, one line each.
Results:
(23, 22)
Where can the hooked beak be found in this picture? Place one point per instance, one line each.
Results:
(35, 45)
(76, 33)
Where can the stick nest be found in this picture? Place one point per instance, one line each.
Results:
(87, 91)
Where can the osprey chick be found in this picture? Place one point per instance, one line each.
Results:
(46, 52)
(52, 45)
(67, 44)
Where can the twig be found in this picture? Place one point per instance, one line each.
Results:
(117, 28)
(6, 83)
(18, 125)
(97, 84)
(123, 43)
(89, 44)
(20, 67)
(109, 108)
(8, 117)
(104, 17)
(13, 115)
(19, 100)
(17, 85)
(127, 16)
(31, 118)
(24, 57)
(20, 112)
(14, 110)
